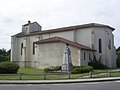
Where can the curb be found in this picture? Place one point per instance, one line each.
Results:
(58, 81)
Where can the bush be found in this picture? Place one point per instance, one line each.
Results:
(8, 68)
(81, 69)
(97, 64)
(118, 59)
(52, 69)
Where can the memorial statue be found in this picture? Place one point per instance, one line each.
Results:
(67, 63)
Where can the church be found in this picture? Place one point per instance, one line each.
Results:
(37, 48)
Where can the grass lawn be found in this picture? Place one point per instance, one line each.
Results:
(113, 74)
(30, 71)
(39, 71)
(50, 77)
(100, 71)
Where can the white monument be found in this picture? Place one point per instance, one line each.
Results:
(67, 63)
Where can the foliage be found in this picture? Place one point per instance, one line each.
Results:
(52, 69)
(8, 68)
(97, 63)
(4, 55)
(118, 49)
(118, 57)
(81, 69)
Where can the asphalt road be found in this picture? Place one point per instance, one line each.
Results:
(114, 85)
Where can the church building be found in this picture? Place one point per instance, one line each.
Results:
(37, 48)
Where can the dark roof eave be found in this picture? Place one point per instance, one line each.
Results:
(88, 49)
(68, 29)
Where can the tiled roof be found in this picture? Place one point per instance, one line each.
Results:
(70, 28)
(59, 39)
(19, 34)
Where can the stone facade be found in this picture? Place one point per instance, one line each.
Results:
(38, 48)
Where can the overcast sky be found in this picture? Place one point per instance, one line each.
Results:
(56, 13)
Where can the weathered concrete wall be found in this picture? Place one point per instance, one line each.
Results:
(108, 54)
(67, 35)
(51, 54)
(31, 27)
(85, 57)
(83, 36)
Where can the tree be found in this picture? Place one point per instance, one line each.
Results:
(4, 55)
(97, 63)
(118, 49)
(118, 57)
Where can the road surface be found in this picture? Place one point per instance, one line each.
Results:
(113, 85)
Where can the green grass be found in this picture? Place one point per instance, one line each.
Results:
(75, 76)
(48, 77)
(30, 71)
(72, 76)
(32, 78)
(39, 71)
(115, 74)
(100, 71)
(52, 77)
(9, 77)
(25, 71)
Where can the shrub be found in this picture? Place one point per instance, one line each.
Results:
(81, 69)
(8, 68)
(52, 69)
(118, 59)
(97, 64)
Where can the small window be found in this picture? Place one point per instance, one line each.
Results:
(26, 28)
(33, 48)
(21, 48)
(84, 55)
(100, 45)
(109, 44)
(89, 56)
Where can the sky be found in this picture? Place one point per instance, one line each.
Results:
(56, 13)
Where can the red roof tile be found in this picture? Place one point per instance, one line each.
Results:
(59, 39)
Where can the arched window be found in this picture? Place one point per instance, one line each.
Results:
(84, 55)
(109, 44)
(33, 48)
(21, 48)
(100, 45)
(89, 56)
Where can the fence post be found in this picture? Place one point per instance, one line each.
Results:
(20, 76)
(68, 74)
(45, 76)
(109, 73)
(90, 74)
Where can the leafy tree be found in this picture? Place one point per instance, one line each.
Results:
(4, 55)
(118, 57)
(118, 49)
(97, 63)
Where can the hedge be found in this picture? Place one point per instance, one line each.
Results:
(8, 68)
(81, 69)
(56, 68)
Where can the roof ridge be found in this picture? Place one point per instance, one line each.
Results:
(69, 28)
